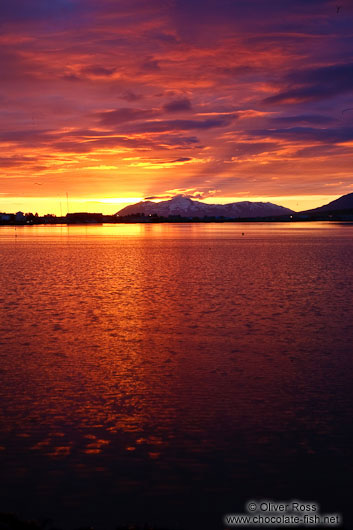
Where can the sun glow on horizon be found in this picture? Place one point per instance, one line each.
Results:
(120, 200)
(110, 205)
(169, 106)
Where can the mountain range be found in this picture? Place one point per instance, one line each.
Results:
(185, 207)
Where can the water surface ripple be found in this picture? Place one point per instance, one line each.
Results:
(168, 373)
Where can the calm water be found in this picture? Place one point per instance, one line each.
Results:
(168, 373)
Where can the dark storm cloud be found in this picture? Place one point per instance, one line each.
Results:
(314, 119)
(341, 74)
(178, 105)
(331, 136)
(316, 84)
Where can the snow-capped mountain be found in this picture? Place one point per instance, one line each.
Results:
(185, 207)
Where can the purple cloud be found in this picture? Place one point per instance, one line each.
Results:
(316, 84)
(99, 71)
(182, 125)
(178, 105)
(313, 119)
(332, 136)
(123, 115)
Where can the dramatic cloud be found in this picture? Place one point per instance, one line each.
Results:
(316, 84)
(205, 98)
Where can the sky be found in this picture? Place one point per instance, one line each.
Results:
(106, 102)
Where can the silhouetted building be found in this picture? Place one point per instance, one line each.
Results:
(84, 217)
(20, 217)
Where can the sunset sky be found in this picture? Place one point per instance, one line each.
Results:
(112, 101)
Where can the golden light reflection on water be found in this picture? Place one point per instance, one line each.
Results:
(160, 350)
(164, 230)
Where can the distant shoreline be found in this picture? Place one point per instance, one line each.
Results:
(342, 218)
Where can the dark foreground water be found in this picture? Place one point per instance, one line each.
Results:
(169, 373)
